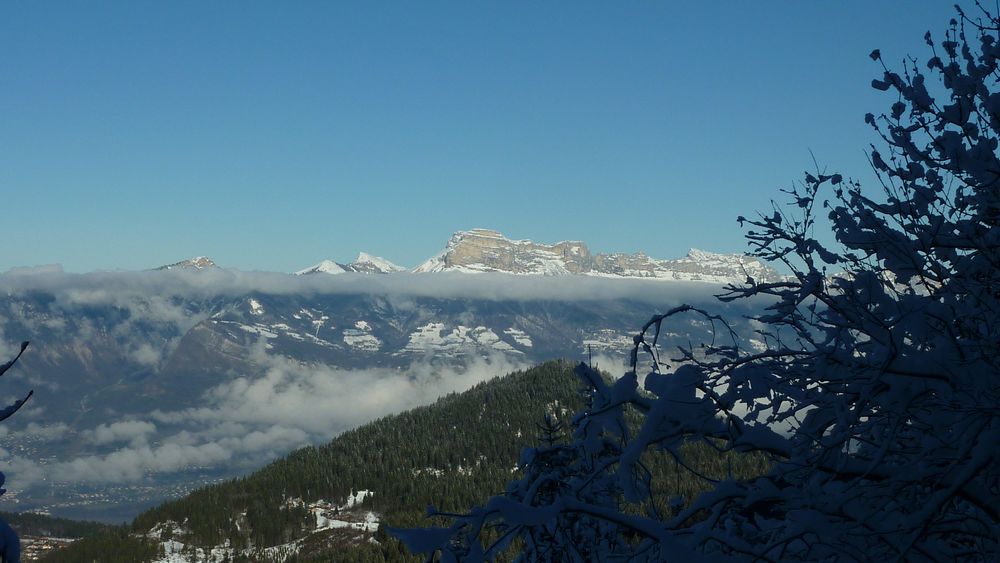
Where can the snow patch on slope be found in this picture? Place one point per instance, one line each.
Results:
(326, 515)
(435, 338)
(255, 307)
(519, 336)
(435, 263)
(361, 338)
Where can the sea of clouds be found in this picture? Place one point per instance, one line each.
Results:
(246, 421)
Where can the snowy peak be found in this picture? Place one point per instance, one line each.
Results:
(364, 264)
(369, 264)
(324, 267)
(487, 250)
(196, 263)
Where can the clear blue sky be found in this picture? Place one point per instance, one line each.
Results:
(271, 135)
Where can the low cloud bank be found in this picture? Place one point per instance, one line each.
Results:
(244, 422)
(135, 432)
(248, 421)
(102, 288)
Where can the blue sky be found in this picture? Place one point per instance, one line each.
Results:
(271, 135)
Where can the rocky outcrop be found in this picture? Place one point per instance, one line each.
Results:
(485, 250)
(196, 263)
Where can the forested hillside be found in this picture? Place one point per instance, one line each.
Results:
(31, 524)
(452, 454)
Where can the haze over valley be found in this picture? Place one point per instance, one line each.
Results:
(150, 383)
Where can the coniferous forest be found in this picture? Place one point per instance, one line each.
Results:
(452, 454)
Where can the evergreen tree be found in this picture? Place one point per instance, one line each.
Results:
(10, 545)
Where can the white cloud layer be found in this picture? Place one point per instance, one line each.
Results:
(248, 421)
(135, 432)
(121, 288)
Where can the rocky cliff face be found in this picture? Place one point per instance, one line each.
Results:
(484, 250)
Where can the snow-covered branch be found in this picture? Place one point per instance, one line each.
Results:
(876, 400)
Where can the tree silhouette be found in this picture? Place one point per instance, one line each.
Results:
(10, 545)
(876, 398)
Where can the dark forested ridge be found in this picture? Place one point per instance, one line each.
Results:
(32, 524)
(452, 454)
(41, 533)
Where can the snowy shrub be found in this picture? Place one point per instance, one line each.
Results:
(877, 398)
(10, 546)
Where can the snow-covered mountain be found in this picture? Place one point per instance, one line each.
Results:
(364, 264)
(108, 349)
(324, 267)
(368, 264)
(485, 250)
(196, 263)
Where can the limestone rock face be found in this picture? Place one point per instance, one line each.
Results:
(486, 250)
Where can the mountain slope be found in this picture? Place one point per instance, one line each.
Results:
(40, 533)
(452, 454)
(196, 263)
(335, 499)
(368, 264)
(324, 267)
(143, 352)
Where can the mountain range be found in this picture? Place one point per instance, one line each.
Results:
(486, 250)
(364, 264)
(148, 384)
